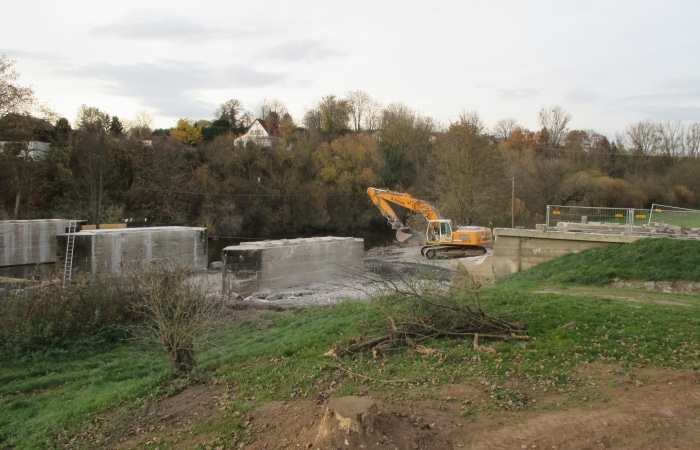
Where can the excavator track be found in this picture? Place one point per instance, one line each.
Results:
(451, 251)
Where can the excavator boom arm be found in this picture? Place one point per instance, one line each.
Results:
(383, 199)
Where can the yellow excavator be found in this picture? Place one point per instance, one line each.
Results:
(441, 238)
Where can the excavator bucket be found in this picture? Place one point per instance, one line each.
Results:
(403, 234)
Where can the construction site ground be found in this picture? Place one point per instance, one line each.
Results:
(639, 408)
(394, 263)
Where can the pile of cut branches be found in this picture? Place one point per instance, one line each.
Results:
(418, 312)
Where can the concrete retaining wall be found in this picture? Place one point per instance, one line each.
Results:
(24, 242)
(516, 250)
(254, 266)
(126, 249)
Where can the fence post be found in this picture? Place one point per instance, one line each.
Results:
(547, 222)
(630, 220)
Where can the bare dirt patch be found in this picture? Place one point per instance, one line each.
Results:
(627, 292)
(652, 408)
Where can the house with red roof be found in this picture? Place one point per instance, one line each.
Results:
(259, 133)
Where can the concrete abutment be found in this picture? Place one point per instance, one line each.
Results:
(516, 250)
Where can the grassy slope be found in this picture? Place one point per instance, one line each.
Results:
(43, 396)
(661, 259)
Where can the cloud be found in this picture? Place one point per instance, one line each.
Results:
(668, 100)
(308, 50)
(580, 96)
(517, 94)
(171, 87)
(241, 76)
(177, 29)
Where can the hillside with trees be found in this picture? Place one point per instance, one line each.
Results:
(102, 169)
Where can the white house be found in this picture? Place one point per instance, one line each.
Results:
(25, 136)
(259, 134)
(35, 150)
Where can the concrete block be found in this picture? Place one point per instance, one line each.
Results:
(123, 250)
(25, 242)
(254, 266)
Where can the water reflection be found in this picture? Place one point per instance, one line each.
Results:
(29, 271)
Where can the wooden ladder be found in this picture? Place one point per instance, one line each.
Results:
(70, 245)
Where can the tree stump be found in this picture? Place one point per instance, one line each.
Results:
(348, 415)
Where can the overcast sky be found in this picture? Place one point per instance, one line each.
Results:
(608, 63)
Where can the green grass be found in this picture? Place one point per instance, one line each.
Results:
(571, 317)
(41, 395)
(658, 259)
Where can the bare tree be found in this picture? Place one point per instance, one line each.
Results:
(642, 138)
(271, 107)
(554, 121)
(230, 110)
(91, 118)
(397, 113)
(13, 98)
(372, 119)
(359, 103)
(312, 119)
(271, 112)
(692, 139)
(504, 128)
(247, 119)
(671, 138)
(472, 121)
(142, 125)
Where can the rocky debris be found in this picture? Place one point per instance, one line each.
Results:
(653, 229)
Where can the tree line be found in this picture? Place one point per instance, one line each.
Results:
(313, 179)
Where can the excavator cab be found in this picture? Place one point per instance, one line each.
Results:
(439, 231)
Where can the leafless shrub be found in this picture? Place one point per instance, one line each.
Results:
(176, 311)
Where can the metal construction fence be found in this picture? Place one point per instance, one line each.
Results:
(659, 219)
(680, 217)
